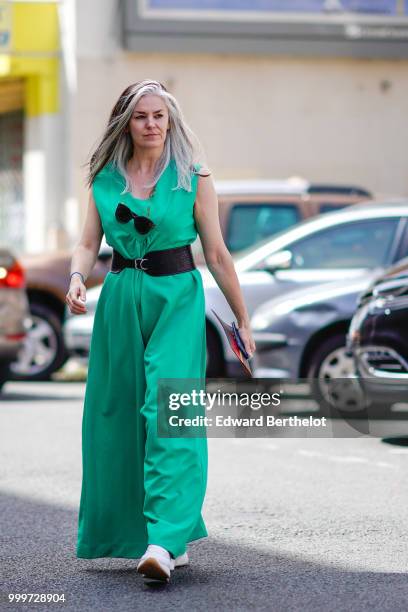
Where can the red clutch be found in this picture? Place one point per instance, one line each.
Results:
(236, 343)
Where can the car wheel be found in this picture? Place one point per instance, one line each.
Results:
(331, 375)
(43, 351)
(215, 360)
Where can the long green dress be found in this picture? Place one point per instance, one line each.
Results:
(139, 488)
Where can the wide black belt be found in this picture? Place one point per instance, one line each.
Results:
(157, 263)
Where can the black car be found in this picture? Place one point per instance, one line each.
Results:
(378, 337)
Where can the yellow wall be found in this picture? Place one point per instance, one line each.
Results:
(33, 53)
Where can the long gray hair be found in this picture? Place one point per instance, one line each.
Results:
(116, 144)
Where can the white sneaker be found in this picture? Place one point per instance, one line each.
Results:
(155, 564)
(179, 561)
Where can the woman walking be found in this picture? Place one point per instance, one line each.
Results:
(142, 494)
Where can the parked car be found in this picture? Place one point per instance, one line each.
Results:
(14, 311)
(378, 337)
(302, 335)
(249, 211)
(345, 244)
(252, 210)
(47, 278)
(341, 245)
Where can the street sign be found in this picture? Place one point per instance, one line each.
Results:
(375, 29)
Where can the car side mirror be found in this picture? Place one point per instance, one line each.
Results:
(282, 260)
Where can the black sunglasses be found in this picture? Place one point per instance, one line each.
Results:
(123, 214)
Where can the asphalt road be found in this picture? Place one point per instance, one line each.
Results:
(294, 524)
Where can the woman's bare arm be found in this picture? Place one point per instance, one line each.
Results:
(217, 256)
(84, 257)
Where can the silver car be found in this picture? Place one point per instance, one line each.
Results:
(302, 335)
(341, 245)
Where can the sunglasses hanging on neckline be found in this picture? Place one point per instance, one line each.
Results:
(142, 224)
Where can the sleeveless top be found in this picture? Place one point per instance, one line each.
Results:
(170, 210)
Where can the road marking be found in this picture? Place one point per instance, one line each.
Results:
(349, 459)
(308, 453)
(385, 464)
(345, 459)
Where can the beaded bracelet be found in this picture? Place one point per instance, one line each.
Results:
(81, 275)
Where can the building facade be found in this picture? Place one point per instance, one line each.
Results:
(319, 92)
(34, 151)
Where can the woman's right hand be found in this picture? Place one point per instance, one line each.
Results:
(76, 296)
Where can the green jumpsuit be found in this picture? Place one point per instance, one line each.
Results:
(138, 488)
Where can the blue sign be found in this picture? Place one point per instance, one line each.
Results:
(373, 7)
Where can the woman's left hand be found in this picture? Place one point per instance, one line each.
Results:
(249, 343)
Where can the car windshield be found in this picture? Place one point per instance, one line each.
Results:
(293, 231)
(250, 223)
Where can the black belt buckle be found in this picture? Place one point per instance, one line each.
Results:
(139, 263)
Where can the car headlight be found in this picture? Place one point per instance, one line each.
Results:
(260, 321)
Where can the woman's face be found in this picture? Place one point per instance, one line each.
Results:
(149, 123)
